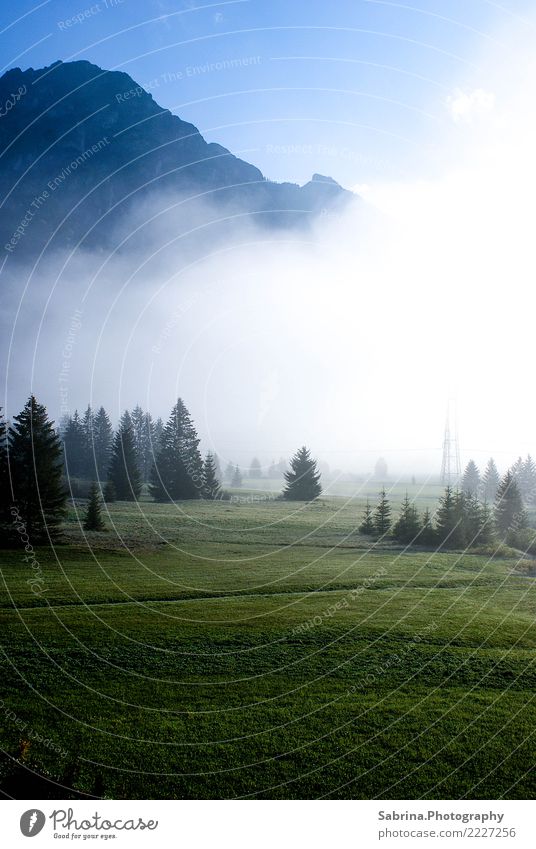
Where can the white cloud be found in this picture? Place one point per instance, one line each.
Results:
(467, 105)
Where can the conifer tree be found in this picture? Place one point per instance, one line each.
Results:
(178, 469)
(211, 484)
(486, 534)
(367, 525)
(527, 480)
(408, 525)
(109, 493)
(144, 430)
(427, 535)
(508, 505)
(472, 518)
(93, 520)
(35, 468)
(382, 514)
(303, 478)
(124, 472)
(236, 480)
(449, 520)
(255, 469)
(229, 472)
(102, 443)
(74, 447)
(87, 461)
(490, 482)
(471, 479)
(6, 520)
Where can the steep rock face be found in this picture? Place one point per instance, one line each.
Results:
(82, 148)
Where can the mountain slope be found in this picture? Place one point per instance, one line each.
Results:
(81, 148)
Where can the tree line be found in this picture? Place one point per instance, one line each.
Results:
(462, 519)
(37, 462)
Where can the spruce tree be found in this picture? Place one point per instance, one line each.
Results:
(303, 478)
(35, 468)
(490, 482)
(178, 469)
(74, 447)
(236, 480)
(508, 504)
(255, 470)
(471, 479)
(124, 472)
(449, 520)
(88, 463)
(408, 525)
(229, 472)
(102, 443)
(6, 519)
(427, 535)
(367, 525)
(382, 514)
(93, 520)
(472, 518)
(527, 480)
(109, 493)
(486, 534)
(211, 484)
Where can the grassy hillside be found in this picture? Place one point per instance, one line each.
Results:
(252, 650)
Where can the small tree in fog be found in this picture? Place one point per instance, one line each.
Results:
(211, 484)
(303, 478)
(380, 469)
(471, 479)
(93, 520)
(367, 524)
(490, 482)
(236, 480)
(255, 469)
(382, 514)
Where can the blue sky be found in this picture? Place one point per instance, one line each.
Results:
(352, 89)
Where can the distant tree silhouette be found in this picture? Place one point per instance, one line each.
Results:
(178, 469)
(255, 470)
(490, 482)
(509, 508)
(124, 471)
(406, 528)
(236, 480)
(367, 525)
(211, 484)
(303, 478)
(471, 479)
(102, 443)
(382, 514)
(380, 469)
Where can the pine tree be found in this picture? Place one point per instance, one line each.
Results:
(74, 447)
(6, 520)
(408, 525)
(486, 534)
(158, 431)
(124, 472)
(471, 479)
(472, 518)
(367, 525)
(449, 520)
(137, 417)
(527, 480)
(102, 443)
(380, 469)
(88, 462)
(382, 514)
(236, 480)
(303, 478)
(35, 467)
(93, 520)
(255, 470)
(145, 441)
(427, 535)
(490, 482)
(211, 484)
(508, 504)
(178, 469)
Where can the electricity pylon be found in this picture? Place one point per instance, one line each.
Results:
(450, 467)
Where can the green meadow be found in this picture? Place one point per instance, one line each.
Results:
(256, 649)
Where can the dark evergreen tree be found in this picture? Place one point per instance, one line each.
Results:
(74, 448)
(236, 480)
(124, 472)
(382, 514)
(35, 468)
(408, 524)
(255, 470)
(144, 430)
(102, 444)
(87, 461)
(6, 519)
(158, 431)
(508, 504)
(303, 478)
(427, 535)
(93, 520)
(367, 525)
(449, 520)
(490, 482)
(472, 518)
(471, 479)
(211, 484)
(486, 534)
(178, 469)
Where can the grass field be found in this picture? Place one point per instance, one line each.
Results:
(259, 650)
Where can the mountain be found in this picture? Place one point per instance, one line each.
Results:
(85, 152)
